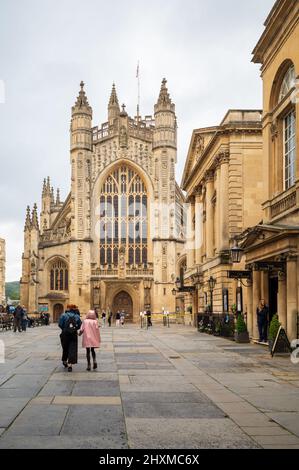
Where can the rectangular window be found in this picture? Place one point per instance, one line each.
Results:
(289, 150)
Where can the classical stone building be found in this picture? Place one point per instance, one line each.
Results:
(223, 179)
(2, 271)
(115, 240)
(272, 246)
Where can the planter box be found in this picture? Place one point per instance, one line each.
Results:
(242, 337)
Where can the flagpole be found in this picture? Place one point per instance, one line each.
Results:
(138, 99)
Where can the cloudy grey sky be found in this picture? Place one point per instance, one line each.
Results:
(203, 48)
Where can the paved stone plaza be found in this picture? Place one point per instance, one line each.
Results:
(162, 388)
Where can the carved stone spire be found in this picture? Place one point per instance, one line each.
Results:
(57, 197)
(82, 104)
(34, 217)
(28, 219)
(44, 187)
(113, 106)
(52, 196)
(48, 189)
(164, 98)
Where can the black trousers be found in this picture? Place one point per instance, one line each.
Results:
(17, 324)
(69, 345)
(93, 353)
(262, 326)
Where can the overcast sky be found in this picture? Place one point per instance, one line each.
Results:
(202, 47)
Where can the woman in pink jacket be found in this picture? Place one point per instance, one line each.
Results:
(91, 337)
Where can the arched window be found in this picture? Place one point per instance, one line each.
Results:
(288, 82)
(123, 217)
(59, 276)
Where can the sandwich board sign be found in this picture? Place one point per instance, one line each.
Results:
(281, 343)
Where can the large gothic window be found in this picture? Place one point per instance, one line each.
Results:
(123, 217)
(59, 276)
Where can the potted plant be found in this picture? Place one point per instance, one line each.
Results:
(273, 330)
(217, 328)
(189, 309)
(241, 333)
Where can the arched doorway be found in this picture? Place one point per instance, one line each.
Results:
(123, 301)
(57, 311)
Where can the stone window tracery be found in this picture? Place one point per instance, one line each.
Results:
(123, 217)
(59, 276)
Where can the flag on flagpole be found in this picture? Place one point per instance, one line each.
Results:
(137, 71)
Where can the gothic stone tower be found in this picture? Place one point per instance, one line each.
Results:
(114, 242)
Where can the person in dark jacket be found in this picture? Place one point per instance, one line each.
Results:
(69, 323)
(149, 318)
(262, 313)
(18, 316)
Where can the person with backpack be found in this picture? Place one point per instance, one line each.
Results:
(91, 337)
(69, 323)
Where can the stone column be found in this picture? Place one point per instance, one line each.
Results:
(209, 176)
(292, 297)
(224, 201)
(256, 297)
(282, 299)
(198, 228)
(217, 207)
(190, 246)
(250, 313)
(265, 286)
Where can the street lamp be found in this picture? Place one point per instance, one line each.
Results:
(212, 283)
(236, 252)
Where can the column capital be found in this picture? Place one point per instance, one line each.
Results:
(209, 176)
(223, 157)
(291, 257)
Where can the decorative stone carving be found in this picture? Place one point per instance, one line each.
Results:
(123, 137)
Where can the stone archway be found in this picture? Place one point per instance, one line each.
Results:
(123, 301)
(58, 309)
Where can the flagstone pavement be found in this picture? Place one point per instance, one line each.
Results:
(169, 388)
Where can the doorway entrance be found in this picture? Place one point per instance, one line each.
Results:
(57, 311)
(123, 301)
(273, 293)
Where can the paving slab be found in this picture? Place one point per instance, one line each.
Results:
(152, 410)
(39, 420)
(64, 442)
(95, 421)
(96, 388)
(289, 421)
(265, 431)
(10, 408)
(86, 400)
(165, 397)
(186, 434)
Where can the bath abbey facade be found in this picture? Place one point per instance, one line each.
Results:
(117, 240)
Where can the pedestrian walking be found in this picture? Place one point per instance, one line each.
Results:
(122, 318)
(91, 337)
(24, 320)
(70, 323)
(262, 313)
(117, 318)
(149, 318)
(110, 317)
(18, 316)
(103, 318)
